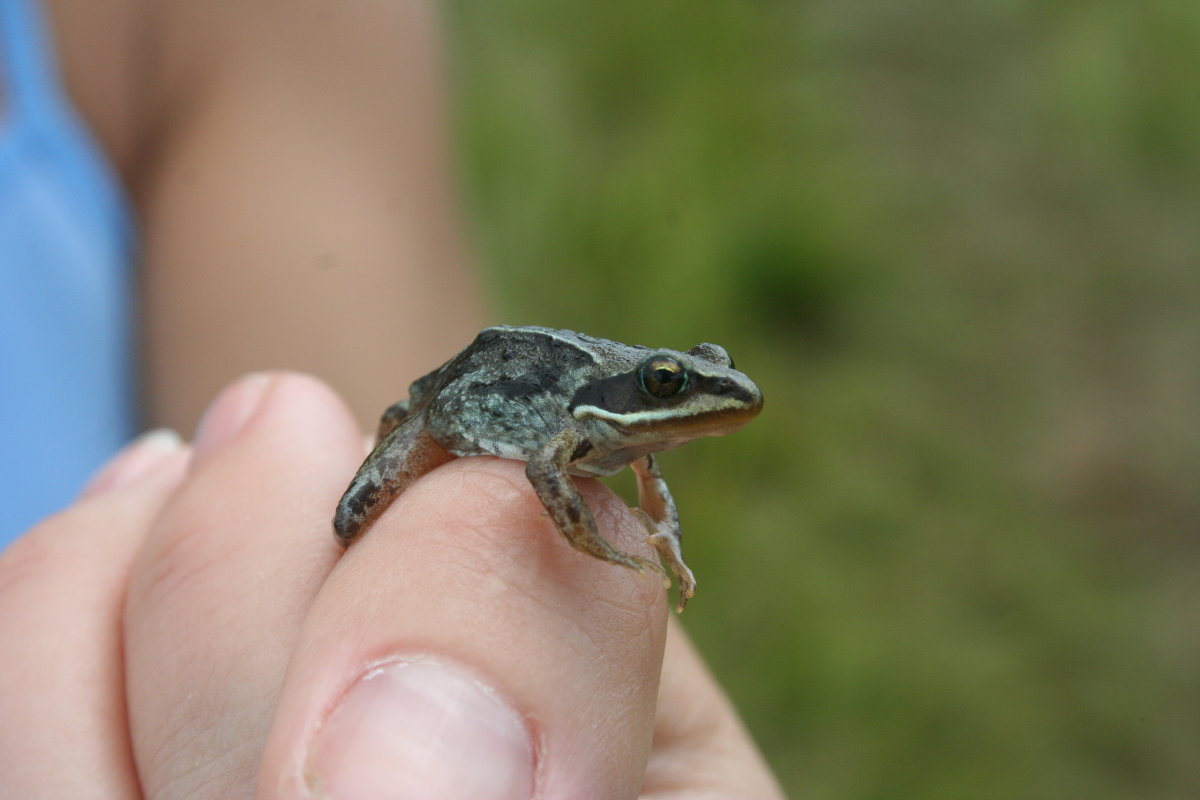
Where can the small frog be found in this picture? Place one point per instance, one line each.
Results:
(566, 404)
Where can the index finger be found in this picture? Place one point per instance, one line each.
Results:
(463, 649)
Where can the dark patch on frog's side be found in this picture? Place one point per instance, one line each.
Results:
(522, 387)
(533, 347)
(515, 365)
(581, 450)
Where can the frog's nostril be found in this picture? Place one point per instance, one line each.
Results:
(737, 391)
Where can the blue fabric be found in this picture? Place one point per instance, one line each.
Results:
(67, 399)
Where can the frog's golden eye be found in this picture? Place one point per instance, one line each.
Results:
(662, 377)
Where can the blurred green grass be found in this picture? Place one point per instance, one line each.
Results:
(957, 246)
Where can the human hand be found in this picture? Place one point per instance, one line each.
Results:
(188, 628)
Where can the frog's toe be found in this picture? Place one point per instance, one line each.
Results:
(646, 566)
(642, 565)
(667, 544)
(687, 590)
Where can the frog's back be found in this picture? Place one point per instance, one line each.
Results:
(507, 393)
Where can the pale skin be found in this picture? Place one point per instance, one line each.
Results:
(288, 163)
(190, 629)
(186, 626)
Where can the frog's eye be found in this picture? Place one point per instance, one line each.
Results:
(662, 377)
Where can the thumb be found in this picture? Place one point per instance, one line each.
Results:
(463, 649)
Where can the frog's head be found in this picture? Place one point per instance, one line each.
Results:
(670, 398)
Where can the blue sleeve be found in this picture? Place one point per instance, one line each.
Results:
(67, 375)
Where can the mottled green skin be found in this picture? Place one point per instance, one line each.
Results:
(564, 403)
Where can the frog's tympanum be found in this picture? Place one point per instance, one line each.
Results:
(566, 404)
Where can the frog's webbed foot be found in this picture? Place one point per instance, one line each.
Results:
(404, 454)
(547, 471)
(661, 519)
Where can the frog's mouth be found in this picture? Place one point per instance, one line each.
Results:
(692, 425)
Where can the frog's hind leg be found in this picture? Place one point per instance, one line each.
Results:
(391, 419)
(405, 453)
(547, 471)
(661, 519)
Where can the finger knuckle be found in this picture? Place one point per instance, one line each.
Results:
(175, 562)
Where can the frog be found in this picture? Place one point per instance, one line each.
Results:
(568, 405)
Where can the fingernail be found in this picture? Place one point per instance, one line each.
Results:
(421, 729)
(137, 459)
(229, 413)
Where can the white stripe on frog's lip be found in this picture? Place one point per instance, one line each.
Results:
(667, 417)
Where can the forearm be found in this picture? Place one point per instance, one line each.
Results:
(290, 225)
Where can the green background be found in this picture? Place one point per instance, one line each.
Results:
(956, 244)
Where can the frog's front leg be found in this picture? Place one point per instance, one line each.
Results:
(662, 521)
(547, 471)
(405, 453)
